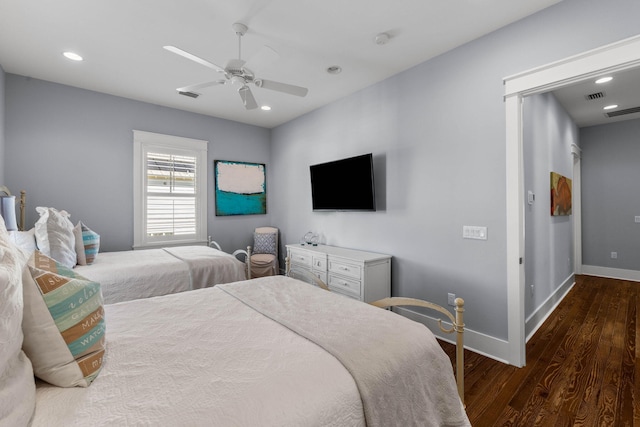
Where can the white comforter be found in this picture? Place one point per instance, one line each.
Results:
(206, 358)
(129, 275)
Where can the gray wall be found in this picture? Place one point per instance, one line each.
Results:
(611, 195)
(2, 126)
(437, 132)
(548, 135)
(71, 149)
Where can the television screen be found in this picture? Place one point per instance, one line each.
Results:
(343, 185)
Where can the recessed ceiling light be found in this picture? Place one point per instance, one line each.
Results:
(604, 80)
(265, 108)
(611, 107)
(334, 69)
(73, 56)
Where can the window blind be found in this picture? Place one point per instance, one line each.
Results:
(170, 194)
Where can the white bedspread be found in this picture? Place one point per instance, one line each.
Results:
(203, 358)
(206, 358)
(128, 275)
(403, 375)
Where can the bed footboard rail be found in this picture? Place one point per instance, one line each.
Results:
(304, 275)
(247, 259)
(238, 253)
(457, 327)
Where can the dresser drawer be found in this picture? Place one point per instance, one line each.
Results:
(345, 269)
(319, 263)
(345, 294)
(322, 275)
(342, 285)
(301, 258)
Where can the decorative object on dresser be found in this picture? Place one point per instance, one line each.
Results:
(362, 275)
(264, 254)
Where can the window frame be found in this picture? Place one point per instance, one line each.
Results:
(145, 142)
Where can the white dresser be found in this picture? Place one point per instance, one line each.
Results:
(357, 274)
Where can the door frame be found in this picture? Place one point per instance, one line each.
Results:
(618, 56)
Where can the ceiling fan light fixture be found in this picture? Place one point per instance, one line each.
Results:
(604, 80)
(334, 69)
(72, 56)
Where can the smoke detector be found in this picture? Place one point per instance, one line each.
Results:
(382, 38)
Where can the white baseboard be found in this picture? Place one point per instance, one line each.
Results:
(537, 318)
(612, 273)
(477, 342)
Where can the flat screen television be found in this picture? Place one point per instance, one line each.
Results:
(343, 185)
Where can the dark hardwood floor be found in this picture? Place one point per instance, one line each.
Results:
(582, 366)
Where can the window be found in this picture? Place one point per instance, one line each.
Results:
(170, 190)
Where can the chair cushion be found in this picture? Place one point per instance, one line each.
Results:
(264, 243)
(262, 259)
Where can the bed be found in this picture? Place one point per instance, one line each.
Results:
(128, 275)
(145, 273)
(259, 353)
(272, 351)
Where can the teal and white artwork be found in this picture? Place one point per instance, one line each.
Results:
(240, 188)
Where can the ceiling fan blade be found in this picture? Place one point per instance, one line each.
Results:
(200, 86)
(247, 98)
(282, 87)
(194, 58)
(265, 56)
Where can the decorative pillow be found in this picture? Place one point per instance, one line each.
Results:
(25, 241)
(54, 236)
(264, 243)
(87, 244)
(17, 387)
(63, 324)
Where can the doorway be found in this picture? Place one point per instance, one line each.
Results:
(618, 56)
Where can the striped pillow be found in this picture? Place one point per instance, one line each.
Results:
(63, 324)
(87, 244)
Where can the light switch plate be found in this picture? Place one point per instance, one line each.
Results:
(474, 232)
(637, 219)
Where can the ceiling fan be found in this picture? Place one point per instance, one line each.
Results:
(236, 72)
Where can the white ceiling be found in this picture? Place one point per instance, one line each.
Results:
(122, 40)
(623, 91)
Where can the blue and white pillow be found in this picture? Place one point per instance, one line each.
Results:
(87, 244)
(63, 323)
(264, 243)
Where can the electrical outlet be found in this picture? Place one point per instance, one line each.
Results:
(637, 219)
(451, 299)
(614, 255)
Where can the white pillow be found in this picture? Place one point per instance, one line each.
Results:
(25, 241)
(54, 236)
(17, 386)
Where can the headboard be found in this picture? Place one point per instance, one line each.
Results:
(23, 209)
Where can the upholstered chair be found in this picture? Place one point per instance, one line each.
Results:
(264, 254)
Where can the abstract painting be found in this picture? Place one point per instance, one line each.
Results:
(240, 188)
(560, 195)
